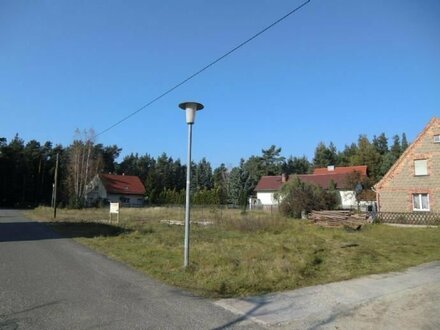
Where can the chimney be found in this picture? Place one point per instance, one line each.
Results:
(330, 168)
(284, 177)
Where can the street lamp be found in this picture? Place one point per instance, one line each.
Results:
(190, 109)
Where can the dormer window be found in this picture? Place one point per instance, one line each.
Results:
(420, 167)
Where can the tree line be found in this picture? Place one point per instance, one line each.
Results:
(27, 170)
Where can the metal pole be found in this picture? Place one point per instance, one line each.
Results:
(187, 209)
(55, 188)
(51, 199)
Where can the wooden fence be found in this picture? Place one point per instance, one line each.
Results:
(418, 218)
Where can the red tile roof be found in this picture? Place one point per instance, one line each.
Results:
(324, 180)
(122, 184)
(362, 169)
(321, 177)
(269, 183)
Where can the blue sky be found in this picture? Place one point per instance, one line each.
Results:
(331, 71)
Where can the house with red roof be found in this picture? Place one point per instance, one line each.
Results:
(268, 186)
(127, 190)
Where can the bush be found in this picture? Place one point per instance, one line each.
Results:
(207, 197)
(171, 196)
(198, 197)
(75, 203)
(297, 196)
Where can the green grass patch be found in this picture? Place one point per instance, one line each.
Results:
(246, 254)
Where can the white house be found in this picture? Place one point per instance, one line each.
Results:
(269, 186)
(124, 189)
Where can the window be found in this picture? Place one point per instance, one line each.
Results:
(124, 200)
(420, 202)
(436, 138)
(421, 167)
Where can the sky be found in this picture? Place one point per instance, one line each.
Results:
(330, 72)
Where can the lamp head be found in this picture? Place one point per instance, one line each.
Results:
(190, 108)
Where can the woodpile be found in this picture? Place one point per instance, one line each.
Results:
(338, 219)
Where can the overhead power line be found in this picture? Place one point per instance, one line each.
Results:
(203, 69)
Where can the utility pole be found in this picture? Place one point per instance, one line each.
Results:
(54, 194)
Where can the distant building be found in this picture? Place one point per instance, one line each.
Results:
(412, 184)
(269, 186)
(126, 189)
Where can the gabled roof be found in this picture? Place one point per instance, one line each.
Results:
(390, 174)
(321, 177)
(362, 169)
(324, 180)
(269, 183)
(122, 184)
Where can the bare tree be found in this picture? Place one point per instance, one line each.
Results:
(82, 165)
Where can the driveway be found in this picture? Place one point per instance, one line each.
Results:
(48, 282)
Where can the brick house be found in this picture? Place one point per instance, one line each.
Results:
(412, 185)
(127, 190)
(268, 186)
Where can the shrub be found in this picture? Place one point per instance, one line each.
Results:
(207, 197)
(297, 196)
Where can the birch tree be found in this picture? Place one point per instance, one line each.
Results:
(82, 165)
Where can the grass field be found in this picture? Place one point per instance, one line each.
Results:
(245, 254)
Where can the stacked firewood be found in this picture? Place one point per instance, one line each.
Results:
(347, 219)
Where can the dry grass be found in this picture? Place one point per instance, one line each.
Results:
(252, 253)
(144, 214)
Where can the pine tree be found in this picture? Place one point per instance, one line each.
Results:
(347, 154)
(367, 155)
(271, 160)
(325, 156)
(203, 176)
(296, 165)
(396, 148)
(235, 186)
(404, 144)
(220, 179)
(380, 143)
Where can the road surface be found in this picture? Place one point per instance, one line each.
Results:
(398, 300)
(49, 282)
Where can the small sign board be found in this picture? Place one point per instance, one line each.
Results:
(114, 209)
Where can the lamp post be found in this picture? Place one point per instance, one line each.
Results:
(190, 109)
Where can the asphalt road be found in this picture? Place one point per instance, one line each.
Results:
(48, 282)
